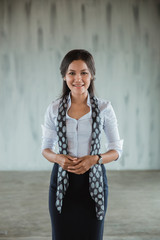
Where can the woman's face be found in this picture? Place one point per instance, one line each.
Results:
(78, 77)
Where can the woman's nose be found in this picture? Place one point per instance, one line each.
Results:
(78, 77)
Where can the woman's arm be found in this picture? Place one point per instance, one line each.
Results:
(114, 144)
(107, 157)
(110, 156)
(63, 160)
(49, 155)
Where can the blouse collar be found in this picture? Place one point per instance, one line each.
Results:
(87, 115)
(69, 100)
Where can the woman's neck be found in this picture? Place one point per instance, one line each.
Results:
(79, 99)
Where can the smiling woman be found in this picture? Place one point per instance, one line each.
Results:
(70, 68)
(78, 78)
(78, 190)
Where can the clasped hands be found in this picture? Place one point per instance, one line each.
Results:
(76, 165)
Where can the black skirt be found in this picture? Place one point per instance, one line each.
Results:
(78, 219)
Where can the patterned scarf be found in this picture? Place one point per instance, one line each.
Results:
(95, 172)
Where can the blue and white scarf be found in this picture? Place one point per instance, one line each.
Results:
(95, 172)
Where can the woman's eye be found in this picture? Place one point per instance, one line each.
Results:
(72, 73)
(84, 73)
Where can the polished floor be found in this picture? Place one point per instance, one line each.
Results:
(133, 206)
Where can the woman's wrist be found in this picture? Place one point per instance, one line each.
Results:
(57, 156)
(95, 159)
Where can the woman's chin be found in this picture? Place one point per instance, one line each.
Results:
(79, 91)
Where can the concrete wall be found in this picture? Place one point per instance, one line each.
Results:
(123, 37)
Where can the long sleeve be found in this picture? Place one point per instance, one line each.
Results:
(49, 133)
(110, 127)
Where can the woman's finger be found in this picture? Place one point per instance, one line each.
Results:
(71, 158)
(74, 167)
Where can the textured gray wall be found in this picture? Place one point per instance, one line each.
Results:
(123, 37)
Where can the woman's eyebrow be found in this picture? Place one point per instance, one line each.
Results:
(81, 70)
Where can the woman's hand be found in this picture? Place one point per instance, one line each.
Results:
(65, 161)
(83, 164)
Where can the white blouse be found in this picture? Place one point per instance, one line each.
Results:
(78, 132)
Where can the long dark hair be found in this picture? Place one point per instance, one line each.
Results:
(77, 54)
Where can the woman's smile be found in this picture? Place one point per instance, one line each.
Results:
(78, 85)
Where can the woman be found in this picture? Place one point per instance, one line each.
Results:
(78, 189)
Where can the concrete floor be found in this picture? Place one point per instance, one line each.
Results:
(133, 206)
